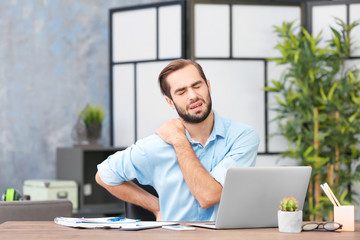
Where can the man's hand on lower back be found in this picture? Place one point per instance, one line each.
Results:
(158, 216)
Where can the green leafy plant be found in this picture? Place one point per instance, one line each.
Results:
(289, 204)
(318, 111)
(92, 115)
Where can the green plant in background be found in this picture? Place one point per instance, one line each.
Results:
(289, 204)
(93, 116)
(318, 111)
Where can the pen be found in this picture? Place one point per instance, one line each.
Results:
(116, 219)
(328, 194)
(333, 195)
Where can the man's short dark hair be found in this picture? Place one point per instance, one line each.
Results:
(172, 67)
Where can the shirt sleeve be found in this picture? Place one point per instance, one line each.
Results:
(242, 153)
(125, 165)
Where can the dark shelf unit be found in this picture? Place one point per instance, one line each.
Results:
(80, 164)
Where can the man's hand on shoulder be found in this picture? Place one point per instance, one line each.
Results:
(172, 132)
(202, 185)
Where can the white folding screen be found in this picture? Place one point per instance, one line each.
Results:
(231, 39)
(355, 16)
(237, 89)
(323, 17)
(134, 34)
(143, 40)
(352, 63)
(152, 109)
(139, 27)
(276, 142)
(212, 30)
(123, 92)
(232, 43)
(253, 32)
(170, 32)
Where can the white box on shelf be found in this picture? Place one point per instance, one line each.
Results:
(52, 190)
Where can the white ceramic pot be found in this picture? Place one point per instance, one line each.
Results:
(290, 222)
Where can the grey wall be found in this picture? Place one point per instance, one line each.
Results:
(53, 61)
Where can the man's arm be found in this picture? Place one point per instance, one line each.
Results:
(205, 189)
(132, 193)
(202, 185)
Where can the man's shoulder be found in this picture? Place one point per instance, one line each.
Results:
(239, 134)
(235, 130)
(232, 125)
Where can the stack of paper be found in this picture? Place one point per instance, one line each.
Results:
(109, 222)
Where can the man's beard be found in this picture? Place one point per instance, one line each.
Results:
(195, 118)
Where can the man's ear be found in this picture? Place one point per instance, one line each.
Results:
(170, 102)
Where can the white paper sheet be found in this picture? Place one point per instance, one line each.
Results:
(110, 223)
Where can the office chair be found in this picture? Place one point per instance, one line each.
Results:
(29, 210)
(136, 212)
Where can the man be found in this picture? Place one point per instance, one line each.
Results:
(186, 160)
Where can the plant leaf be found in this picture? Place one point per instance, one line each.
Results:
(323, 93)
(331, 92)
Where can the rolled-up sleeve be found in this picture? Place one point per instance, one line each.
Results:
(243, 153)
(125, 166)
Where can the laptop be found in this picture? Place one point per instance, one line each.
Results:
(251, 195)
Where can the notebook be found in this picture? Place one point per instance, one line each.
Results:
(251, 195)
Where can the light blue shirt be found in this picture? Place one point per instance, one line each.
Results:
(153, 162)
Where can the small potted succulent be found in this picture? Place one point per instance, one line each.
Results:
(289, 215)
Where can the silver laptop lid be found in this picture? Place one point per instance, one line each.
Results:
(251, 195)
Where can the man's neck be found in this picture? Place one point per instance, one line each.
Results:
(200, 132)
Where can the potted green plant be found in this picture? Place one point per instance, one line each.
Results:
(93, 116)
(289, 216)
(318, 111)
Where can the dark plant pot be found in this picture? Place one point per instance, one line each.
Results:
(93, 133)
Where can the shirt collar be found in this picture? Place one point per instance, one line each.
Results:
(218, 130)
